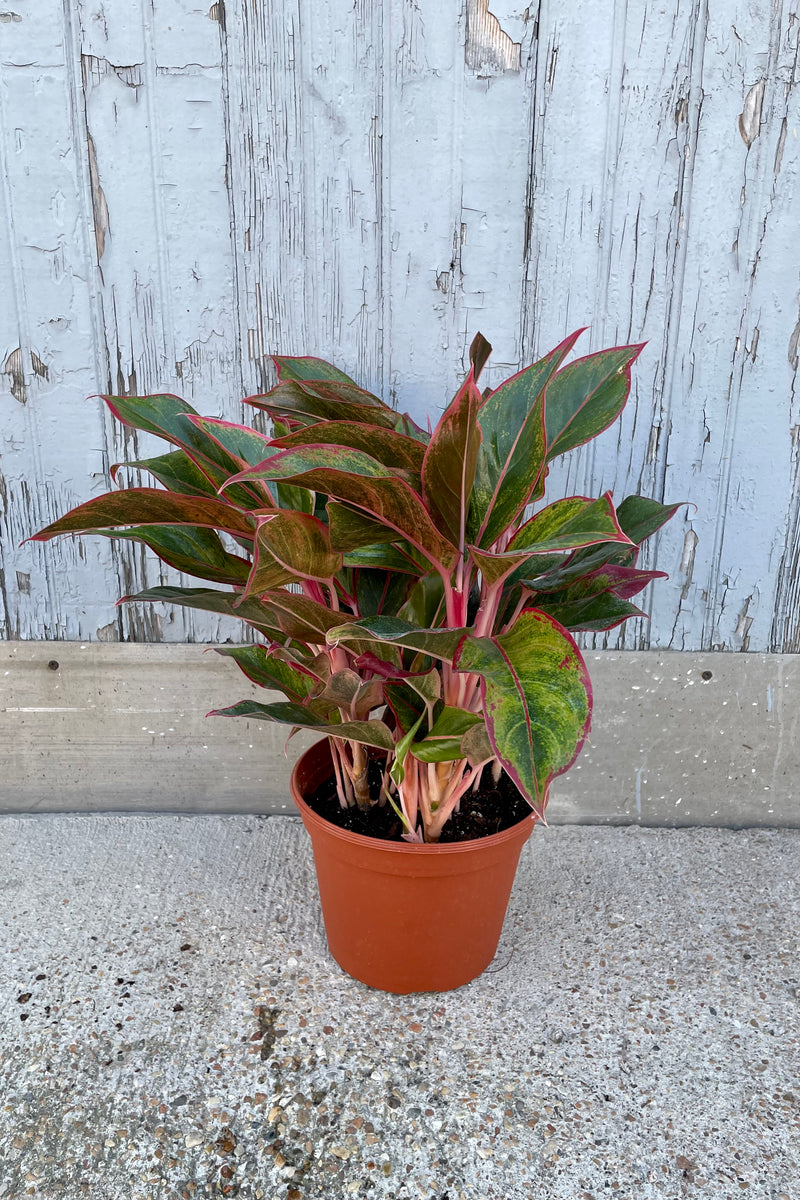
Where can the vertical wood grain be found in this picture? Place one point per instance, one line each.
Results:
(373, 182)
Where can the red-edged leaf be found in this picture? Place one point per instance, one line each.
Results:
(596, 601)
(438, 643)
(240, 444)
(610, 577)
(264, 667)
(230, 604)
(150, 506)
(448, 469)
(351, 529)
(537, 699)
(512, 454)
(162, 414)
(176, 471)
(569, 524)
(496, 567)
(300, 617)
(386, 445)
(308, 367)
(308, 403)
(369, 733)
(362, 481)
(640, 517)
(297, 543)
(628, 581)
(313, 371)
(589, 614)
(197, 552)
(427, 684)
(587, 396)
(479, 352)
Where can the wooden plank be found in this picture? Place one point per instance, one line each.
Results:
(51, 438)
(455, 221)
(374, 183)
(678, 206)
(163, 248)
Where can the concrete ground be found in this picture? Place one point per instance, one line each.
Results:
(172, 1025)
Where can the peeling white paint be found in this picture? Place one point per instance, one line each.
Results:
(220, 185)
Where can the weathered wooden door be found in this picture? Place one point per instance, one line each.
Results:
(186, 191)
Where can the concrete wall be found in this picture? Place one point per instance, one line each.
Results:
(677, 739)
(186, 189)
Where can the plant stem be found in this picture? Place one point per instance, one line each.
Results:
(360, 775)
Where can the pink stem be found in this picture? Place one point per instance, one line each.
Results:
(450, 802)
(341, 789)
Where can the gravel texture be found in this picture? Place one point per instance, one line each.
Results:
(172, 1025)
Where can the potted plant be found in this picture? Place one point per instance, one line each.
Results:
(414, 601)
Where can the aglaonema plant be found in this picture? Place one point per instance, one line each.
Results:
(413, 598)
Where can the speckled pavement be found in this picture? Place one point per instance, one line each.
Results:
(172, 1025)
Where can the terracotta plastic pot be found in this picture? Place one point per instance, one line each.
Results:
(406, 918)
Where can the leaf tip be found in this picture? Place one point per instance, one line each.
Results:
(479, 352)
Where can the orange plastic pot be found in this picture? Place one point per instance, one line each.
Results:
(407, 918)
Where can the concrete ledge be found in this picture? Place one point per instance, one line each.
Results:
(678, 739)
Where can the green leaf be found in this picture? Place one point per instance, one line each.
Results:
(238, 443)
(298, 616)
(386, 445)
(377, 591)
(351, 529)
(512, 454)
(448, 469)
(406, 704)
(368, 733)
(362, 481)
(537, 699)
(586, 397)
(437, 643)
(397, 771)
(176, 471)
(261, 665)
(297, 542)
(150, 506)
(443, 742)
(382, 557)
(310, 403)
(640, 517)
(570, 524)
(163, 415)
(209, 600)
(425, 602)
(197, 552)
(307, 367)
(593, 613)
(475, 745)
(295, 499)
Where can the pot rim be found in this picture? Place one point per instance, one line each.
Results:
(449, 849)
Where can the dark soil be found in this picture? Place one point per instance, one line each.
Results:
(492, 808)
